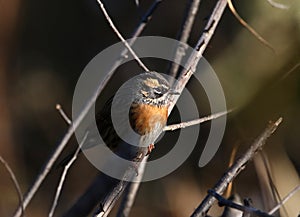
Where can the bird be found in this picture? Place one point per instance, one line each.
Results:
(146, 97)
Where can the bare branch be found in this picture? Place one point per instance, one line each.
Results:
(199, 49)
(229, 203)
(16, 184)
(63, 176)
(248, 27)
(235, 169)
(127, 45)
(63, 114)
(284, 200)
(108, 202)
(195, 122)
(32, 191)
(131, 191)
(289, 72)
(184, 34)
(278, 5)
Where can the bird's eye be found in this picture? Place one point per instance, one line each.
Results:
(158, 93)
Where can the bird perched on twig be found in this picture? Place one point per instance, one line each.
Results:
(143, 102)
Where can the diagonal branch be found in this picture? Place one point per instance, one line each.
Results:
(131, 191)
(245, 209)
(114, 28)
(285, 199)
(199, 49)
(184, 34)
(64, 175)
(235, 169)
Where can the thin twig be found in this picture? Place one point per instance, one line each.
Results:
(278, 5)
(41, 177)
(199, 50)
(248, 27)
(109, 201)
(229, 203)
(231, 161)
(235, 169)
(184, 34)
(131, 191)
(63, 114)
(64, 175)
(16, 184)
(284, 200)
(289, 72)
(195, 122)
(114, 28)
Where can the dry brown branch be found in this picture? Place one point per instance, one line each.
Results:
(16, 184)
(235, 169)
(231, 161)
(248, 27)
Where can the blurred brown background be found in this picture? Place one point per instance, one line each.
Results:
(44, 46)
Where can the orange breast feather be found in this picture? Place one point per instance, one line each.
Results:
(146, 118)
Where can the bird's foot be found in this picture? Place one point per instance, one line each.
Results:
(150, 148)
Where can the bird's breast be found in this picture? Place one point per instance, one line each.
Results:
(145, 119)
